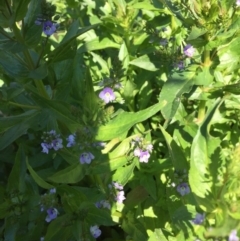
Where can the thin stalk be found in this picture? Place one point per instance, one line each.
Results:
(8, 7)
(201, 110)
(42, 51)
(24, 106)
(39, 84)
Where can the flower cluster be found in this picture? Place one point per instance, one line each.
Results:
(141, 150)
(107, 95)
(103, 204)
(181, 178)
(199, 218)
(238, 3)
(117, 192)
(95, 231)
(233, 236)
(71, 140)
(48, 201)
(51, 140)
(189, 50)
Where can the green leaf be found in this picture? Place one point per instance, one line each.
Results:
(157, 235)
(58, 228)
(107, 166)
(17, 130)
(71, 174)
(16, 179)
(123, 55)
(124, 121)
(176, 153)
(195, 33)
(204, 77)
(176, 85)
(149, 184)
(123, 174)
(40, 73)
(20, 7)
(199, 178)
(97, 44)
(11, 121)
(37, 178)
(60, 109)
(144, 63)
(136, 196)
(67, 48)
(12, 65)
(99, 216)
(32, 32)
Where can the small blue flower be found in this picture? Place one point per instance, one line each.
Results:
(199, 218)
(52, 214)
(183, 188)
(49, 27)
(95, 231)
(51, 141)
(71, 140)
(163, 42)
(103, 204)
(107, 95)
(233, 236)
(52, 190)
(86, 157)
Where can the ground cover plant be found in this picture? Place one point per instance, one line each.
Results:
(119, 120)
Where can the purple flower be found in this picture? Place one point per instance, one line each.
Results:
(86, 157)
(103, 204)
(52, 190)
(38, 21)
(51, 140)
(107, 95)
(179, 65)
(120, 197)
(49, 27)
(95, 231)
(149, 147)
(52, 214)
(163, 42)
(144, 156)
(238, 3)
(117, 186)
(137, 152)
(233, 236)
(189, 50)
(183, 188)
(199, 218)
(71, 140)
(57, 144)
(45, 147)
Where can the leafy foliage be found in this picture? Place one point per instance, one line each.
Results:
(119, 120)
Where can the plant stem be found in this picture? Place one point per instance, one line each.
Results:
(39, 84)
(201, 110)
(24, 106)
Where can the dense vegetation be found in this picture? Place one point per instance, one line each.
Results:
(119, 120)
